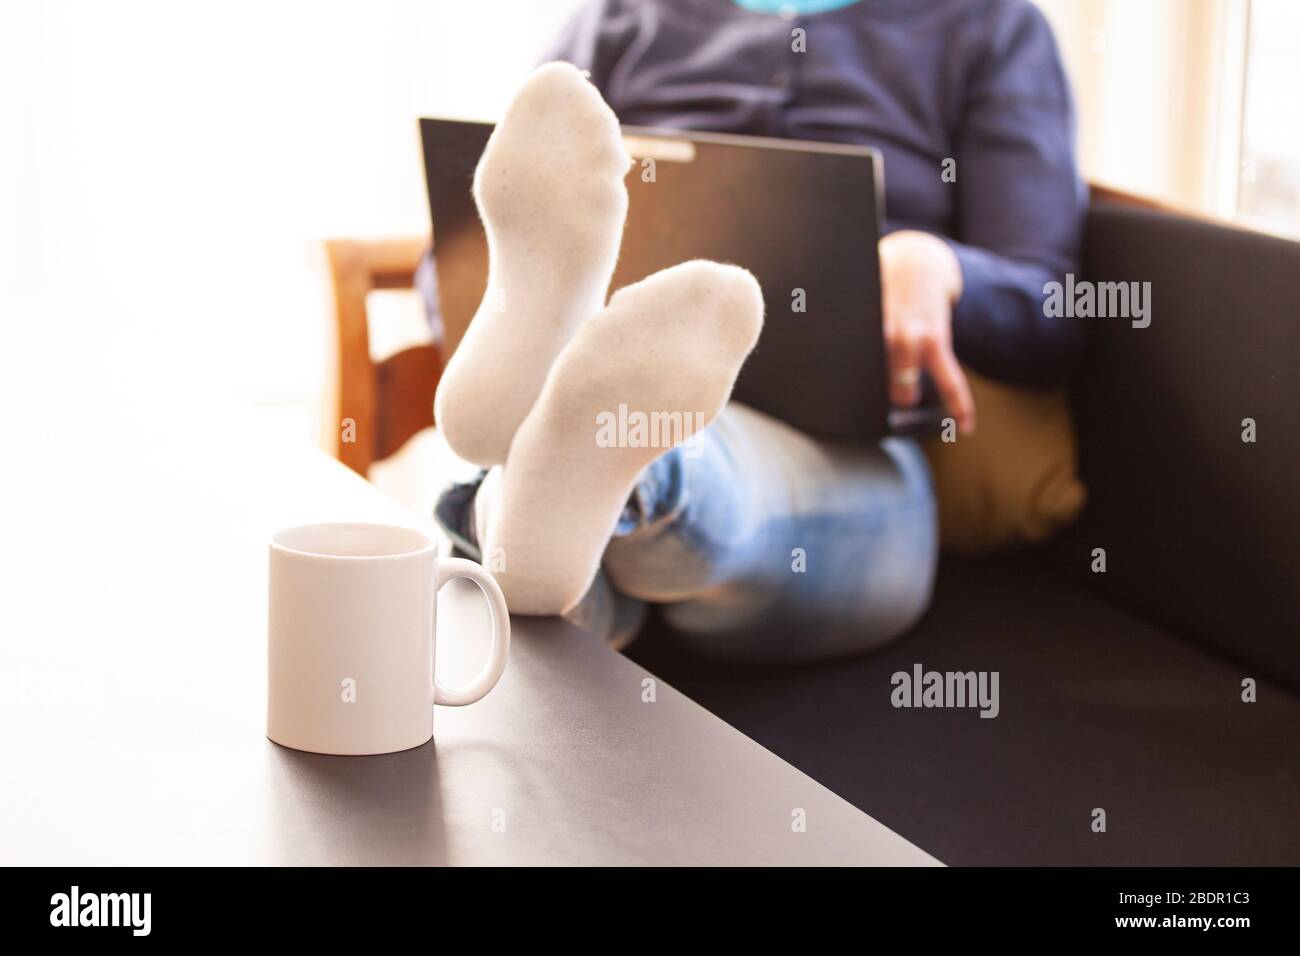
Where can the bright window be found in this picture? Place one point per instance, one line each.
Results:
(1269, 192)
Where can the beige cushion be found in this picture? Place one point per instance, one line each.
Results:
(1015, 480)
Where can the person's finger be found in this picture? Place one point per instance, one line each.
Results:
(904, 365)
(951, 382)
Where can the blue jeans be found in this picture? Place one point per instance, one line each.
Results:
(766, 545)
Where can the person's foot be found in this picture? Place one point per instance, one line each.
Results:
(550, 191)
(647, 373)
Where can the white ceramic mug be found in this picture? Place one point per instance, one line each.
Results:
(353, 614)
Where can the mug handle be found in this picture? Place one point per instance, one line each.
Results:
(476, 689)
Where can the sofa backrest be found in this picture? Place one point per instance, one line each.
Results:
(1201, 529)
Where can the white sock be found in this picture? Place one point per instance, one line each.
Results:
(550, 191)
(672, 343)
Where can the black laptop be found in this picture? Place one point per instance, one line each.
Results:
(803, 217)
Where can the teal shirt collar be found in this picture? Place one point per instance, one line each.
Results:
(803, 8)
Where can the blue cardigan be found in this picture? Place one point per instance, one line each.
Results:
(971, 87)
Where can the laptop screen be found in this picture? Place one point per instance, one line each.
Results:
(803, 217)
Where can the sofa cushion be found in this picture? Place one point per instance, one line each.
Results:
(1098, 709)
(1201, 530)
(1015, 480)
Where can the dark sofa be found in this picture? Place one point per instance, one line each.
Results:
(1122, 690)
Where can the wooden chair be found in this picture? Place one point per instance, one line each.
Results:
(372, 409)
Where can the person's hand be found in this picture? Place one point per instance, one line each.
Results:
(921, 281)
